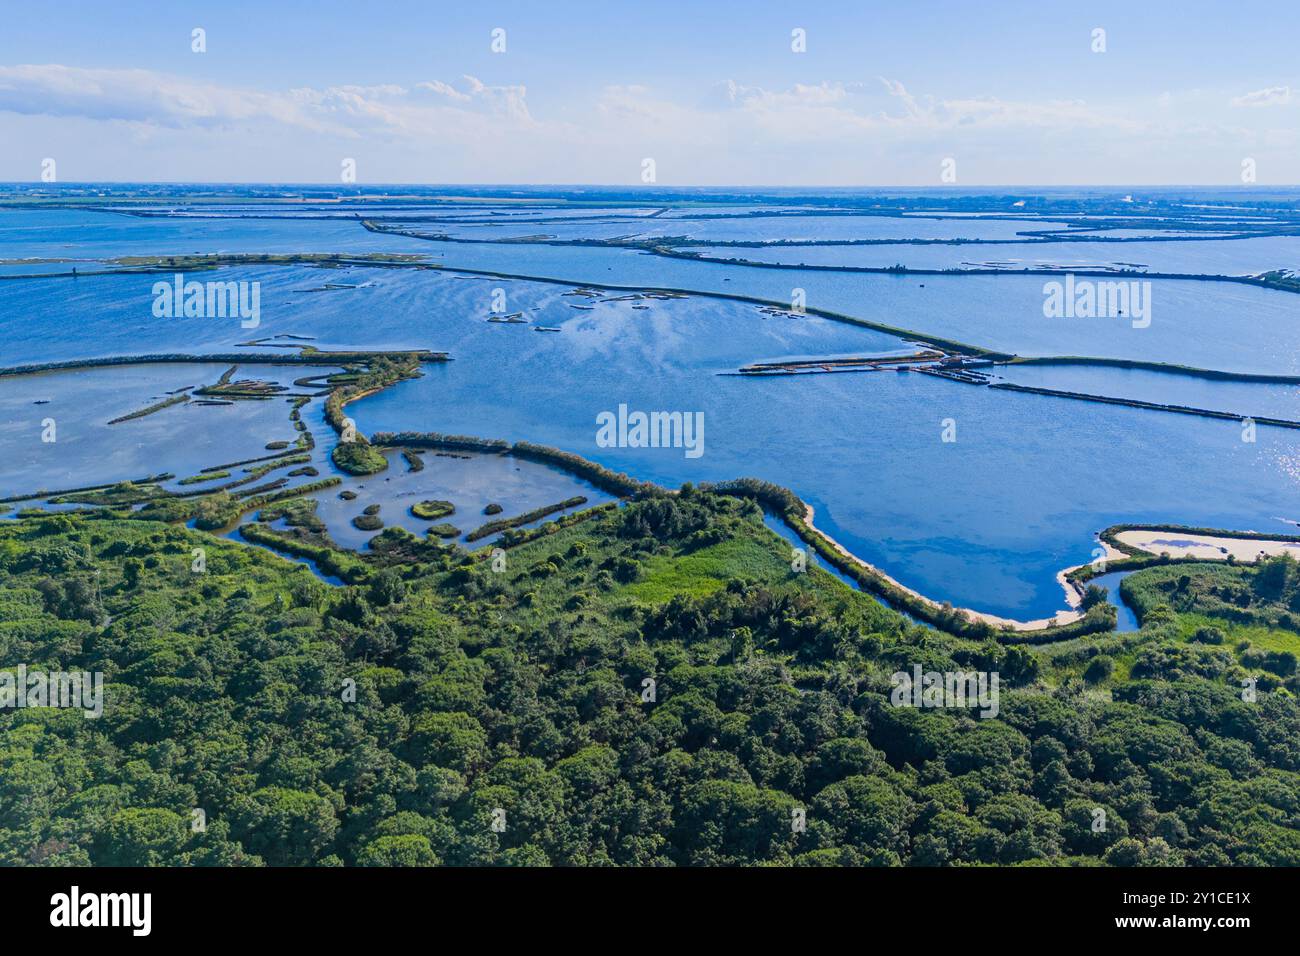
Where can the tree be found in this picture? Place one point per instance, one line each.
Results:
(285, 827)
(1099, 669)
(1092, 596)
(454, 740)
(866, 813)
(387, 588)
(406, 850)
(142, 837)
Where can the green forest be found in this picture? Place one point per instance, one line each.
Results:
(651, 685)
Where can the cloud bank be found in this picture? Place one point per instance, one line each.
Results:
(465, 130)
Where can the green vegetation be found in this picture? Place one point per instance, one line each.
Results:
(199, 479)
(222, 510)
(340, 564)
(788, 506)
(216, 507)
(614, 482)
(517, 536)
(358, 458)
(1283, 279)
(432, 510)
(444, 530)
(150, 409)
(368, 521)
(438, 440)
(307, 356)
(121, 495)
(354, 454)
(528, 517)
(1137, 559)
(46, 493)
(296, 512)
(642, 685)
(1261, 596)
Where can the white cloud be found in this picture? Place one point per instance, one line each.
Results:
(847, 110)
(1272, 96)
(898, 90)
(143, 125)
(159, 100)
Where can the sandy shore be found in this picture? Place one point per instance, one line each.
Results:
(1064, 617)
(1208, 547)
(1177, 544)
(1074, 592)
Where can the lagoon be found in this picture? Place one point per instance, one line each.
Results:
(984, 521)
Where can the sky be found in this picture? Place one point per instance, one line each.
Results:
(713, 92)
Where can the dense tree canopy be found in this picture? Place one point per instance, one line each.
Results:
(651, 686)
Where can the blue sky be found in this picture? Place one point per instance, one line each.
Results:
(1012, 92)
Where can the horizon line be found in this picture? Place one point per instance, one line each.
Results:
(642, 187)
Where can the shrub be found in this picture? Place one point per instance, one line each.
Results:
(1207, 635)
(432, 510)
(1099, 669)
(358, 458)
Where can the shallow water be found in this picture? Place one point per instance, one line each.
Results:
(470, 483)
(1225, 326)
(1219, 325)
(1238, 398)
(25, 233)
(984, 521)
(1125, 619)
(181, 439)
(1208, 257)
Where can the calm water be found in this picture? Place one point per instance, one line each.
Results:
(984, 521)
(1238, 398)
(1125, 619)
(63, 233)
(86, 450)
(1224, 257)
(1218, 325)
(1203, 324)
(469, 483)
